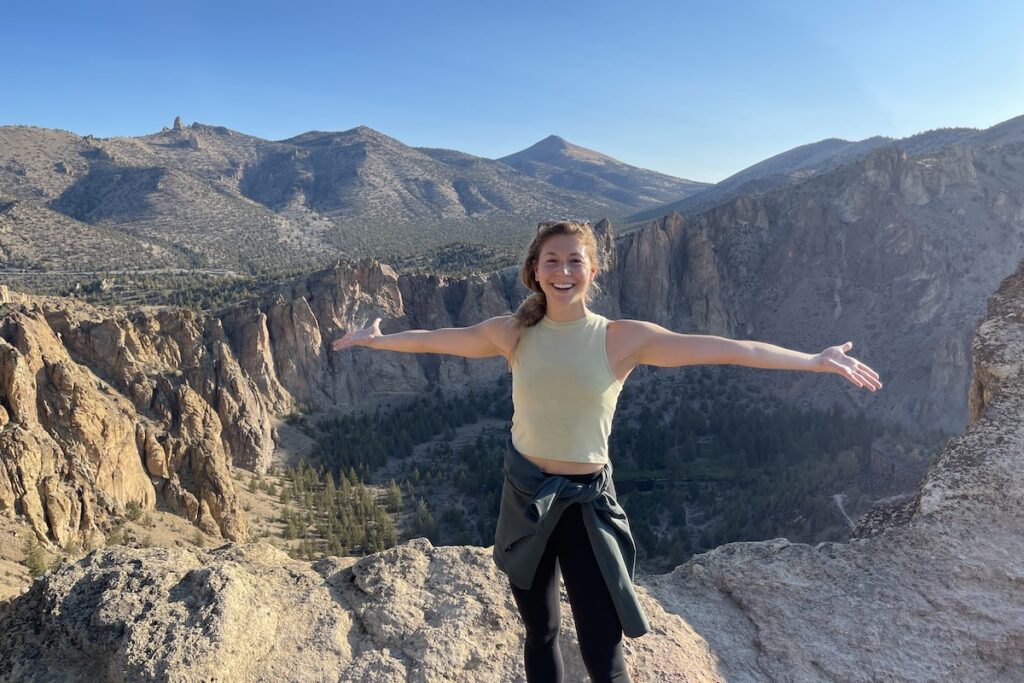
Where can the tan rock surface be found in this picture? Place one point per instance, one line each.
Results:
(92, 402)
(411, 613)
(69, 450)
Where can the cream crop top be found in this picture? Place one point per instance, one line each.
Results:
(563, 390)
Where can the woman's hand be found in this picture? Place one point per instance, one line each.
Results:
(834, 359)
(363, 337)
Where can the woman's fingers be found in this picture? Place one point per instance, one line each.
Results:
(866, 378)
(856, 372)
(873, 378)
(353, 337)
(864, 367)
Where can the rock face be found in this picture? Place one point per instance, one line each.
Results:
(897, 254)
(98, 413)
(69, 455)
(282, 342)
(927, 591)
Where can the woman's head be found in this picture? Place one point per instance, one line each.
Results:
(560, 265)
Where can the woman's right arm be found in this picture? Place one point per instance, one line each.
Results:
(483, 340)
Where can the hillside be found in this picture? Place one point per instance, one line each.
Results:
(208, 197)
(801, 162)
(563, 164)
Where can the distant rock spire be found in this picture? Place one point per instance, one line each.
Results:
(177, 123)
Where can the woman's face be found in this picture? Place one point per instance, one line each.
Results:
(563, 269)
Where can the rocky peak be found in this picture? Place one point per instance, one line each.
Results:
(554, 149)
(552, 143)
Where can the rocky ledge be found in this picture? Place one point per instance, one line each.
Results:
(931, 590)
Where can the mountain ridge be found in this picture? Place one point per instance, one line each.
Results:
(572, 167)
(793, 165)
(307, 198)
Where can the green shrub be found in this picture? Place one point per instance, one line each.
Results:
(133, 511)
(35, 556)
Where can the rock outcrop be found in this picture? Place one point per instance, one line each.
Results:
(897, 254)
(97, 413)
(931, 591)
(68, 445)
(410, 613)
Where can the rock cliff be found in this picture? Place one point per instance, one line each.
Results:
(928, 592)
(894, 253)
(100, 410)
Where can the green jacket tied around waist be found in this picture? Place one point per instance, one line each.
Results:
(532, 502)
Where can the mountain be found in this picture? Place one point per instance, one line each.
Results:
(891, 252)
(561, 163)
(207, 196)
(928, 590)
(800, 163)
(173, 194)
(382, 193)
(1010, 132)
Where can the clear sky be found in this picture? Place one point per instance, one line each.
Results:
(697, 90)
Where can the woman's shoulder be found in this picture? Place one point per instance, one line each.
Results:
(504, 331)
(627, 334)
(625, 326)
(630, 324)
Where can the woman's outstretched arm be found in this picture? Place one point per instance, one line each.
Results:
(482, 340)
(654, 345)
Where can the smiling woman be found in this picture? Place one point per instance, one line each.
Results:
(558, 507)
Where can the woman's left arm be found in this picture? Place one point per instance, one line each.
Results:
(654, 345)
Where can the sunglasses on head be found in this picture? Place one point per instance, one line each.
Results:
(550, 224)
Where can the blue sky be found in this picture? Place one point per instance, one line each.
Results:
(691, 89)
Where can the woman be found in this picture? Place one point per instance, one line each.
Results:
(558, 500)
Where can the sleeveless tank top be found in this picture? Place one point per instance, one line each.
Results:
(563, 390)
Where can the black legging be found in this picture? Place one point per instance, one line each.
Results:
(597, 622)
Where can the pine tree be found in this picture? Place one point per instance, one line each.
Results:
(35, 556)
(424, 522)
(394, 497)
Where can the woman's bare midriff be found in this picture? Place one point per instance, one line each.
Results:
(564, 466)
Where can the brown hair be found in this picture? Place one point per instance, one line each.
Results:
(532, 310)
